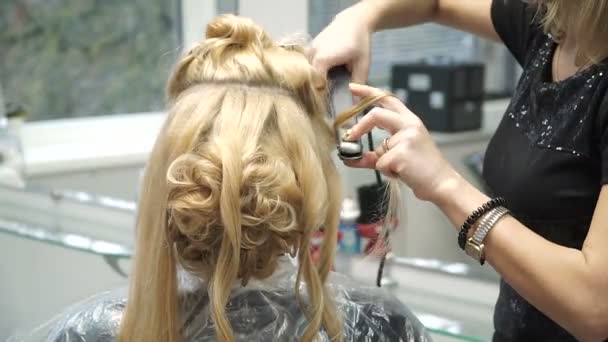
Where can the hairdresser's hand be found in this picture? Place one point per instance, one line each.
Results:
(412, 155)
(346, 41)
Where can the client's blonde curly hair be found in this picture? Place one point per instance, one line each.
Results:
(241, 173)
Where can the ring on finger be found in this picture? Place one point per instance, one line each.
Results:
(385, 145)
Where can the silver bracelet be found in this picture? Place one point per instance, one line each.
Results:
(475, 245)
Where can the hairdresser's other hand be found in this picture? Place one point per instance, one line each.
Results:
(346, 41)
(412, 155)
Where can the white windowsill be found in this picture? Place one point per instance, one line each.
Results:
(68, 145)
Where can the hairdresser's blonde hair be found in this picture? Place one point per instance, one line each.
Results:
(586, 21)
(240, 174)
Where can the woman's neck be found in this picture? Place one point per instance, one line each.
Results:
(566, 61)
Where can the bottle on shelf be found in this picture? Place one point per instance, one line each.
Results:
(350, 242)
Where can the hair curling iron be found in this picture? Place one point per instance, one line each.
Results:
(341, 100)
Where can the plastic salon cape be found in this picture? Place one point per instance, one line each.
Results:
(262, 311)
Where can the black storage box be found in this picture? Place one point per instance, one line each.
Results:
(446, 97)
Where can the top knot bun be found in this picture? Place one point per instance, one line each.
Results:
(238, 30)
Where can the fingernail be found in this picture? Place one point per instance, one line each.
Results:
(347, 134)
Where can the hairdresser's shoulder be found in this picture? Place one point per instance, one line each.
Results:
(95, 319)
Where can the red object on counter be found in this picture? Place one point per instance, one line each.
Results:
(315, 245)
(371, 231)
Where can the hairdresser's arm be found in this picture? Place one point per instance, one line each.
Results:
(568, 285)
(347, 39)
(467, 15)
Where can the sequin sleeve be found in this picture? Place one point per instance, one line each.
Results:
(514, 22)
(603, 146)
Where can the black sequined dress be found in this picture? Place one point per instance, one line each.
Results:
(548, 158)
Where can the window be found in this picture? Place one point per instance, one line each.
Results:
(72, 58)
(227, 6)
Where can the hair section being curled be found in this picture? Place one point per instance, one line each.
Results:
(392, 195)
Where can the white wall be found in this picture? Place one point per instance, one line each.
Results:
(280, 18)
(41, 280)
(195, 16)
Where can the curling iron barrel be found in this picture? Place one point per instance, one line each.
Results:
(341, 100)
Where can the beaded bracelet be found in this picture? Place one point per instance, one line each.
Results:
(476, 215)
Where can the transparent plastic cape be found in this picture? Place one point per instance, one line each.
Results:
(265, 310)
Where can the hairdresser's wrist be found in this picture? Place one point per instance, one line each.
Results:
(447, 182)
(457, 198)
